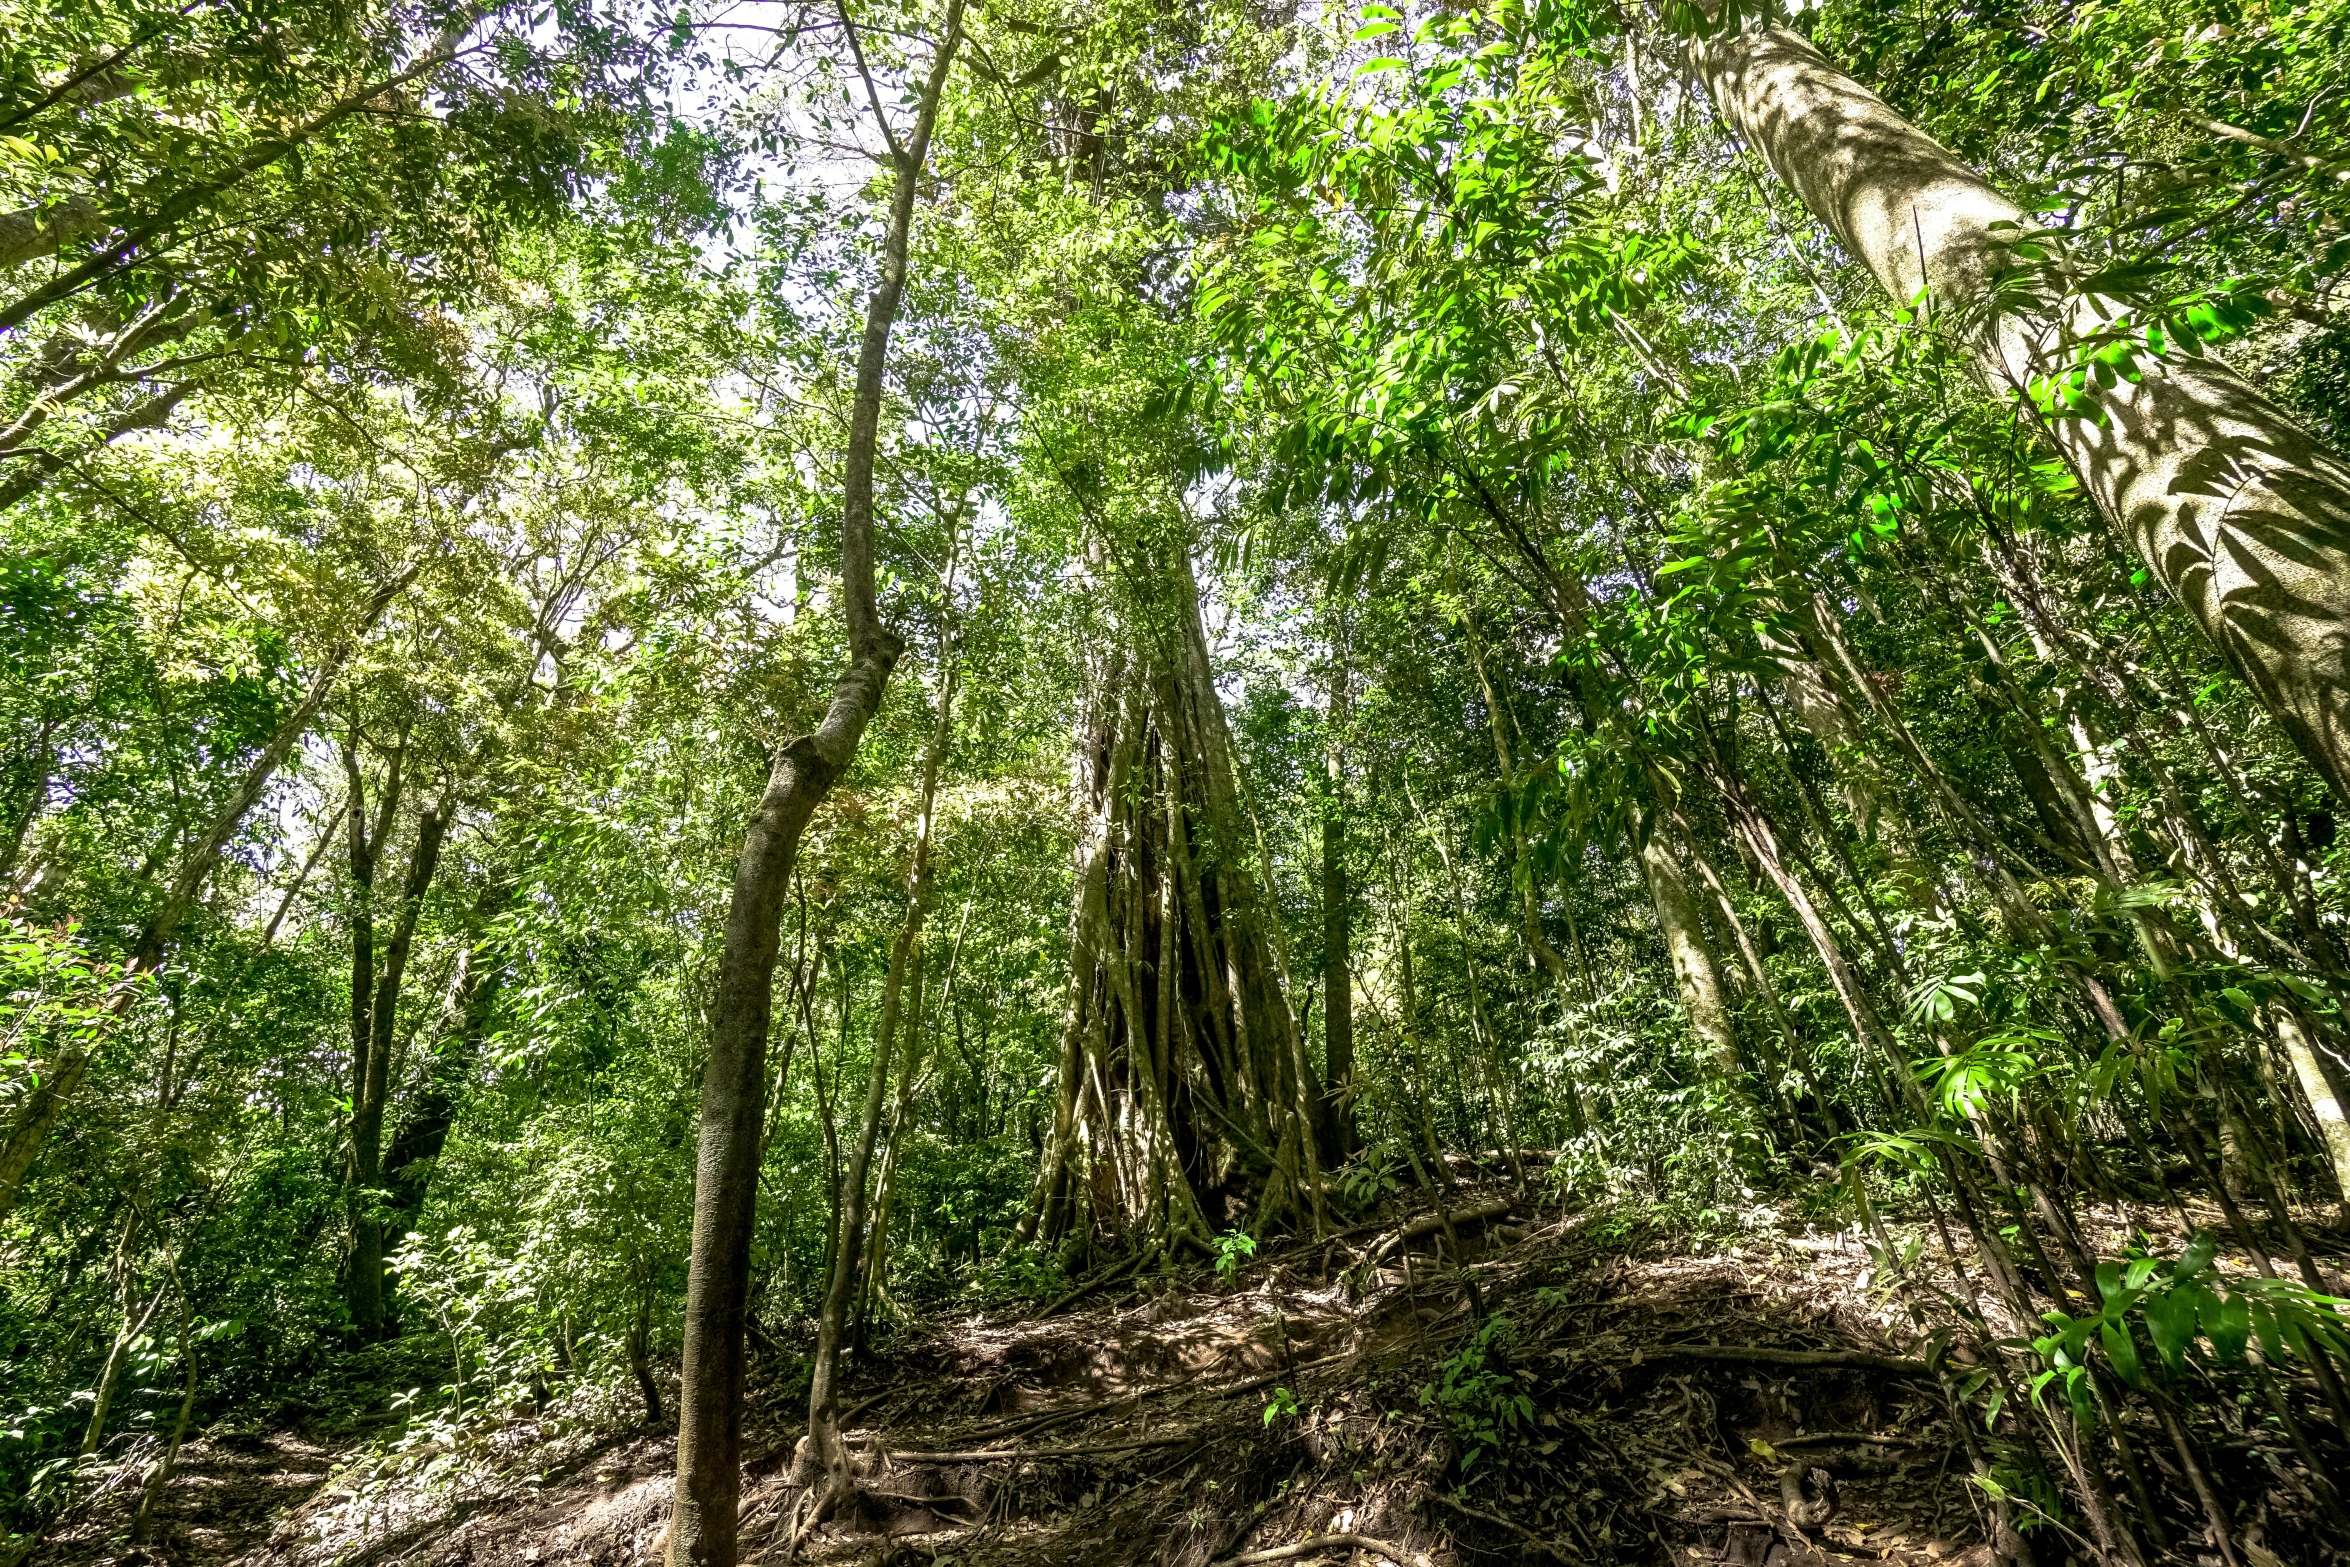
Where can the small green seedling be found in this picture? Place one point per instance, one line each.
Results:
(1233, 1248)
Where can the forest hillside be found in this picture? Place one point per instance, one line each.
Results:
(1174, 781)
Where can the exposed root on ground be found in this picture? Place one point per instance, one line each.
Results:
(1607, 1400)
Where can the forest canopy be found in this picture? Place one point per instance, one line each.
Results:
(684, 692)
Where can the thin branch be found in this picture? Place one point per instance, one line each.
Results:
(897, 154)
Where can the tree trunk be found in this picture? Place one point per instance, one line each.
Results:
(1185, 1096)
(905, 963)
(37, 770)
(1338, 999)
(134, 1327)
(726, 1174)
(1093, 787)
(2333, 1129)
(2239, 511)
(37, 467)
(1677, 916)
(473, 1001)
(143, 1525)
(375, 1003)
(640, 1352)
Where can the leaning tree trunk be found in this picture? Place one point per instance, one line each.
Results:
(2241, 512)
(702, 1530)
(408, 1163)
(159, 1476)
(2325, 1106)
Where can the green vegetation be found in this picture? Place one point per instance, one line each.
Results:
(678, 688)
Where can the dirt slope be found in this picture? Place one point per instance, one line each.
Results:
(1555, 1389)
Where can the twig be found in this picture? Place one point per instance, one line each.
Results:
(1109, 1275)
(1554, 1551)
(2269, 144)
(934, 1503)
(1857, 1359)
(1028, 1423)
(1430, 1223)
(1332, 1542)
(989, 1455)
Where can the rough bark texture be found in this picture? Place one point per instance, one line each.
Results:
(1185, 1100)
(2243, 515)
(1700, 979)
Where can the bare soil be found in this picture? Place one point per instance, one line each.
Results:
(1760, 1405)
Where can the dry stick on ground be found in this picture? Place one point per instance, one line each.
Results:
(1108, 1276)
(989, 1455)
(1050, 1417)
(1556, 1552)
(1858, 1359)
(1430, 1223)
(1331, 1542)
(1819, 1438)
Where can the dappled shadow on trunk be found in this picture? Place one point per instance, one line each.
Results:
(2243, 515)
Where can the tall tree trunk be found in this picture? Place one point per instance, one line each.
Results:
(1338, 986)
(407, 1169)
(702, 1531)
(1538, 944)
(375, 1003)
(2240, 512)
(1185, 1093)
(1094, 787)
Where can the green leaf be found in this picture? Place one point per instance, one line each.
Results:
(2123, 1351)
(2170, 1322)
(2228, 1324)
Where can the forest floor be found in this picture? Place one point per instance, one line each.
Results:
(1612, 1394)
